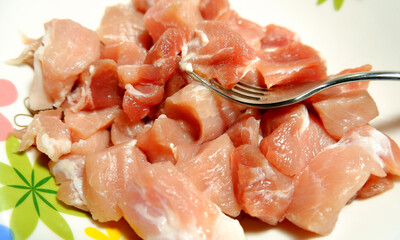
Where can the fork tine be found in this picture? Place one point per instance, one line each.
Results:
(242, 90)
(250, 86)
(247, 93)
(238, 92)
(249, 90)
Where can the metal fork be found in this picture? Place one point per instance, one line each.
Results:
(260, 97)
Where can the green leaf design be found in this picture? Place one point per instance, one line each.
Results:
(21, 176)
(8, 175)
(43, 181)
(42, 172)
(32, 178)
(19, 186)
(54, 221)
(17, 160)
(23, 220)
(35, 203)
(338, 4)
(23, 198)
(31, 191)
(45, 201)
(46, 191)
(9, 197)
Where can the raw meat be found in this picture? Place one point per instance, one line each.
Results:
(131, 135)
(261, 190)
(162, 203)
(67, 49)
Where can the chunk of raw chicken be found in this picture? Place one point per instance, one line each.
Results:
(68, 173)
(336, 174)
(162, 203)
(107, 175)
(67, 49)
(211, 172)
(261, 190)
(50, 135)
(297, 139)
(217, 52)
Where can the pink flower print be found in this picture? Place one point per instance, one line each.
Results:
(8, 95)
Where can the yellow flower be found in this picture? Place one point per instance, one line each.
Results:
(111, 234)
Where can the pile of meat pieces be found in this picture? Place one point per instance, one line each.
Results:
(130, 135)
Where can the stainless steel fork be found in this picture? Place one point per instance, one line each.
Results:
(259, 97)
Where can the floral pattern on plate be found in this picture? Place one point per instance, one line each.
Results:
(30, 191)
(8, 95)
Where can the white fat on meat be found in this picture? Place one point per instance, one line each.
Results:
(71, 168)
(38, 98)
(377, 144)
(200, 40)
(52, 147)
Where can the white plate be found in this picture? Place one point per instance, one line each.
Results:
(360, 32)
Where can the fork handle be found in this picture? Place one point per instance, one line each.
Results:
(291, 94)
(361, 76)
